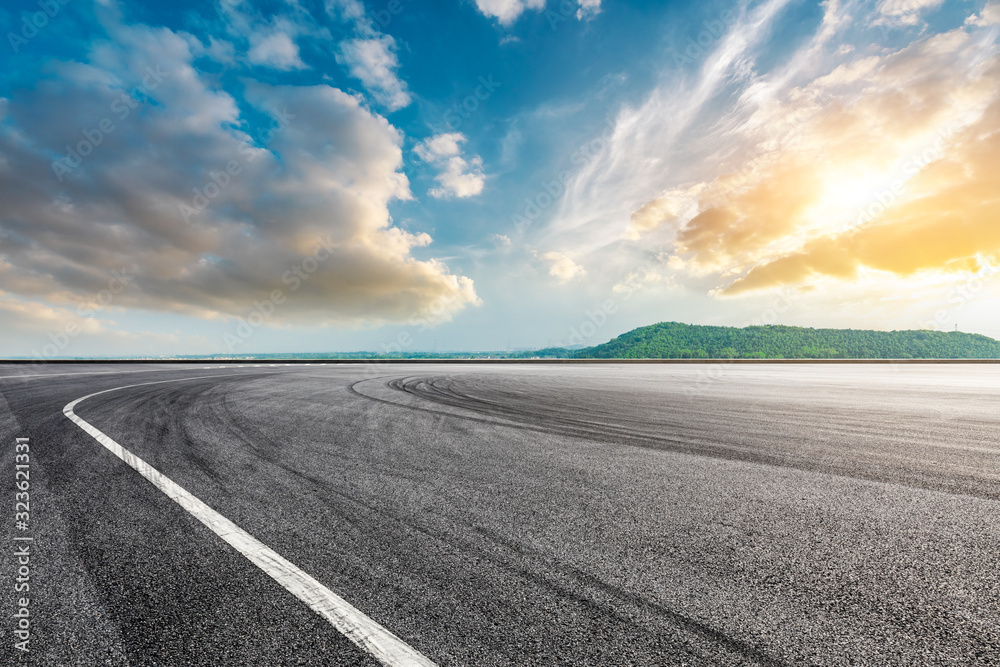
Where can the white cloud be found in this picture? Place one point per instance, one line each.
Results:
(318, 185)
(563, 268)
(989, 16)
(440, 146)
(39, 318)
(654, 213)
(507, 11)
(637, 280)
(904, 12)
(220, 51)
(40, 331)
(459, 177)
(276, 50)
(346, 10)
(634, 159)
(267, 41)
(373, 61)
(371, 56)
(588, 9)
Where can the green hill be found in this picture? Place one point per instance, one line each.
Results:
(675, 340)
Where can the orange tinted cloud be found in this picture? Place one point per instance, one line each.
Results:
(885, 163)
(955, 228)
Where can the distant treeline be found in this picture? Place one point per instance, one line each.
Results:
(673, 340)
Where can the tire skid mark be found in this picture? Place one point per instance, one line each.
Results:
(500, 415)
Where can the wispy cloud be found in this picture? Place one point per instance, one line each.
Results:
(641, 152)
(880, 165)
(373, 61)
(268, 41)
(840, 165)
(371, 56)
(903, 12)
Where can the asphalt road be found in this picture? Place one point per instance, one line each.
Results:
(513, 515)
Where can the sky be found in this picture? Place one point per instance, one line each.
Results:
(397, 176)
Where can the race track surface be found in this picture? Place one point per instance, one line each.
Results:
(512, 514)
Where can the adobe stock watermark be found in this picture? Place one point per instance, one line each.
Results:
(959, 298)
(422, 323)
(598, 317)
(219, 180)
(121, 107)
(33, 23)
(566, 10)
(782, 302)
(404, 339)
(22, 542)
(707, 376)
(60, 339)
(712, 31)
(383, 17)
(884, 200)
(550, 191)
(570, 9)
(264, 309)
(463, 110)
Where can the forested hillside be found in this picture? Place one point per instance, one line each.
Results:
(676, 340)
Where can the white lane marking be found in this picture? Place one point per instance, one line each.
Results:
(354, 624)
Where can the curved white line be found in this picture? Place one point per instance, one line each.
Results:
(386, 647)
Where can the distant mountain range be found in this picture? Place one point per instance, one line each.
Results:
(674, 340)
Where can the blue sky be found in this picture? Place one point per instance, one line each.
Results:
(471, 175)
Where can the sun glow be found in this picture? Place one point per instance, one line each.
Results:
(854, 197)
